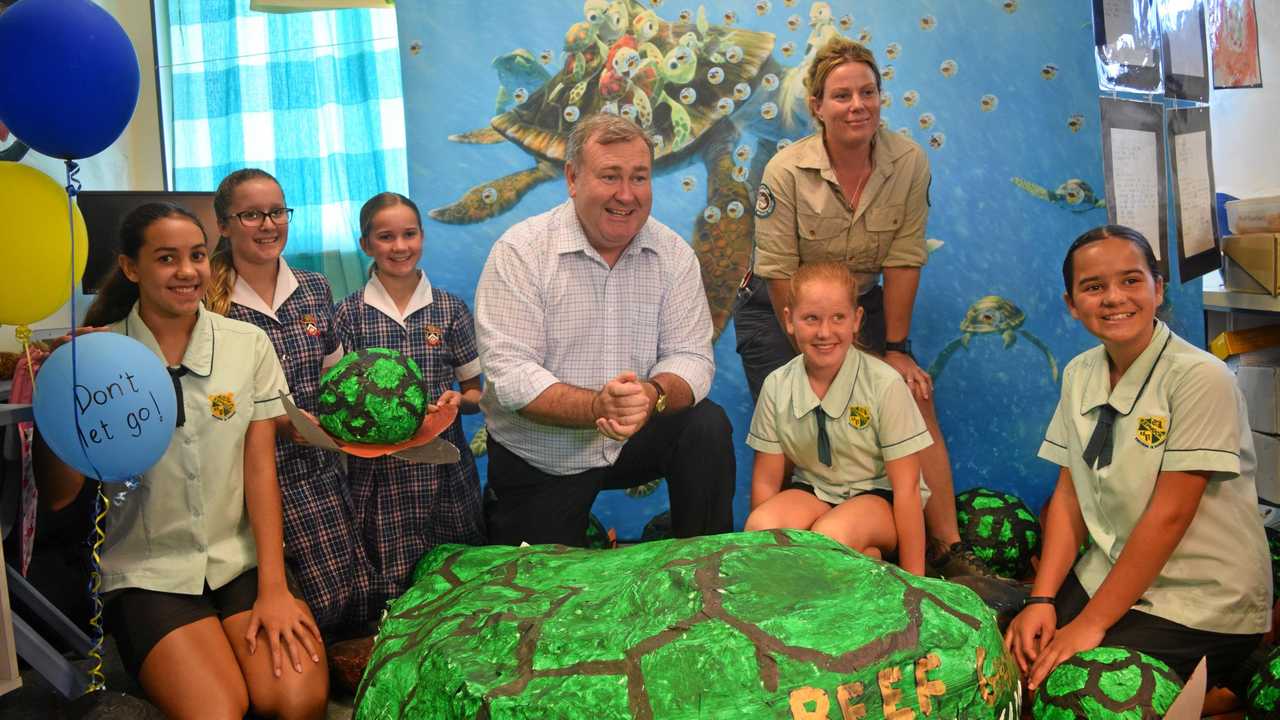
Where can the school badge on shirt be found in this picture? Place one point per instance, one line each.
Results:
(434, 335)
(1152, 430)
(859, 416)
(309, 325)
(222, 406)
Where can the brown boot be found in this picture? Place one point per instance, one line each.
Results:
(347, 661)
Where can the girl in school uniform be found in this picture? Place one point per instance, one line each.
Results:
(192, 570)
(842, 427)
(251, 282)
(1157, 466)
(403, 509)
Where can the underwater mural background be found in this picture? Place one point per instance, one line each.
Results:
(1002, 94)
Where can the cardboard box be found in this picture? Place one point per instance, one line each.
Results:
(1259, 386)
(1251, 263)
(1267, 449)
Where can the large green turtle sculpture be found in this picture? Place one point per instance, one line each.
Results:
(682, 81)
(992, 315)
(783, 624)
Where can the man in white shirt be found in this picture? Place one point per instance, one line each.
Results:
(595, 339)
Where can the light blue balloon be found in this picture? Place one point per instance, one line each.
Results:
(114, 421)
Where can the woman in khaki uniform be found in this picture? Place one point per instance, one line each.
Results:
(857, 194)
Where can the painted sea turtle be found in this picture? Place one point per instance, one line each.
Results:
(992, 314)
(682, 81)
(1074, 194)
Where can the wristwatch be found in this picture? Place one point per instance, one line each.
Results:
(903, 346)
(660, 403)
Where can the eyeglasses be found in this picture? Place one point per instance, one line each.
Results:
(254, 218)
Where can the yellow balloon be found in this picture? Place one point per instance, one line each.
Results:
(35, 245)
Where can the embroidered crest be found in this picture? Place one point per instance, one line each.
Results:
(309, 325)
(764, 201)
(222, 406)
(434, 335)
(859, 416)
(1152, 430)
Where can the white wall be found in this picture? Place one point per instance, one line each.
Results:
(131, 163)
(1246, 146)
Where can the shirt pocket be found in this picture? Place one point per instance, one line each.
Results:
(822, 237)
(882, 224)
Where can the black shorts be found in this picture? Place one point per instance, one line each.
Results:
(139, 619)
(878, 492)
(1179, 646)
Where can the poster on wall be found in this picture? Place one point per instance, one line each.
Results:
(1191, 153)
(1133, 159)
(1126, 36)
(1186, 60)
(1233, 39)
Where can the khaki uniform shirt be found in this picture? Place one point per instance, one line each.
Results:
(802, 216)
(186, 523)
(1178, 410)
(871, 419)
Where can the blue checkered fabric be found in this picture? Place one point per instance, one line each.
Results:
(314, 98)
(321, 544)
(404, 509)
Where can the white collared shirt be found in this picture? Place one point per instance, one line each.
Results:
(377, 297)
(286, 283)
(549, 309)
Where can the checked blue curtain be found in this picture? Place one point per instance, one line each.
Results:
(314, 98)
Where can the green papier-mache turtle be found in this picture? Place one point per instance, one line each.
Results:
(1262, 700)
(372, 396)
(779, 624)
(1107, 683)
(999, 528)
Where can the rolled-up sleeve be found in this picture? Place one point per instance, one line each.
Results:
(685, 330)
(510, 328)
(777, 244)
(908, 246)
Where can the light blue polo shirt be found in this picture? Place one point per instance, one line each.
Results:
(871, 418)
(1178, 410)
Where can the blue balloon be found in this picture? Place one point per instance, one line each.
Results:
(68, 76)
(115, 420)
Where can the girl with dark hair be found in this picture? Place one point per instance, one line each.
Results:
(1157, 474)
(252, 282)
(404, 509)
(192, 571)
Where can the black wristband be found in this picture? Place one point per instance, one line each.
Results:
(903, 346)
(1039, 600)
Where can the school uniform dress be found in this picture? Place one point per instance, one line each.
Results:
(321, 544)
(403, 509)
(867, 415)
(802, 217)
(1177, 408)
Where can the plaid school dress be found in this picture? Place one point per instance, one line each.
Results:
(321, 543)
(404, 509)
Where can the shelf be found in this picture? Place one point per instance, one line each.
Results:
(1218, 298)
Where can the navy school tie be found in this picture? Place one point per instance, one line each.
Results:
(1099, 448)
(175, 374)
(824, 442)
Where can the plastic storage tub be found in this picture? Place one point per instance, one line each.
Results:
(1255, 215)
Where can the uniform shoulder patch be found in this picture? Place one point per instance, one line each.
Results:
(1152, 430)
(859, 416)
(764, 201)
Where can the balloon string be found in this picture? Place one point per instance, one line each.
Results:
(23, 333)
(96, 681)
(100, 507)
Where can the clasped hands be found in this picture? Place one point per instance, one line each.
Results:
(621, 407)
